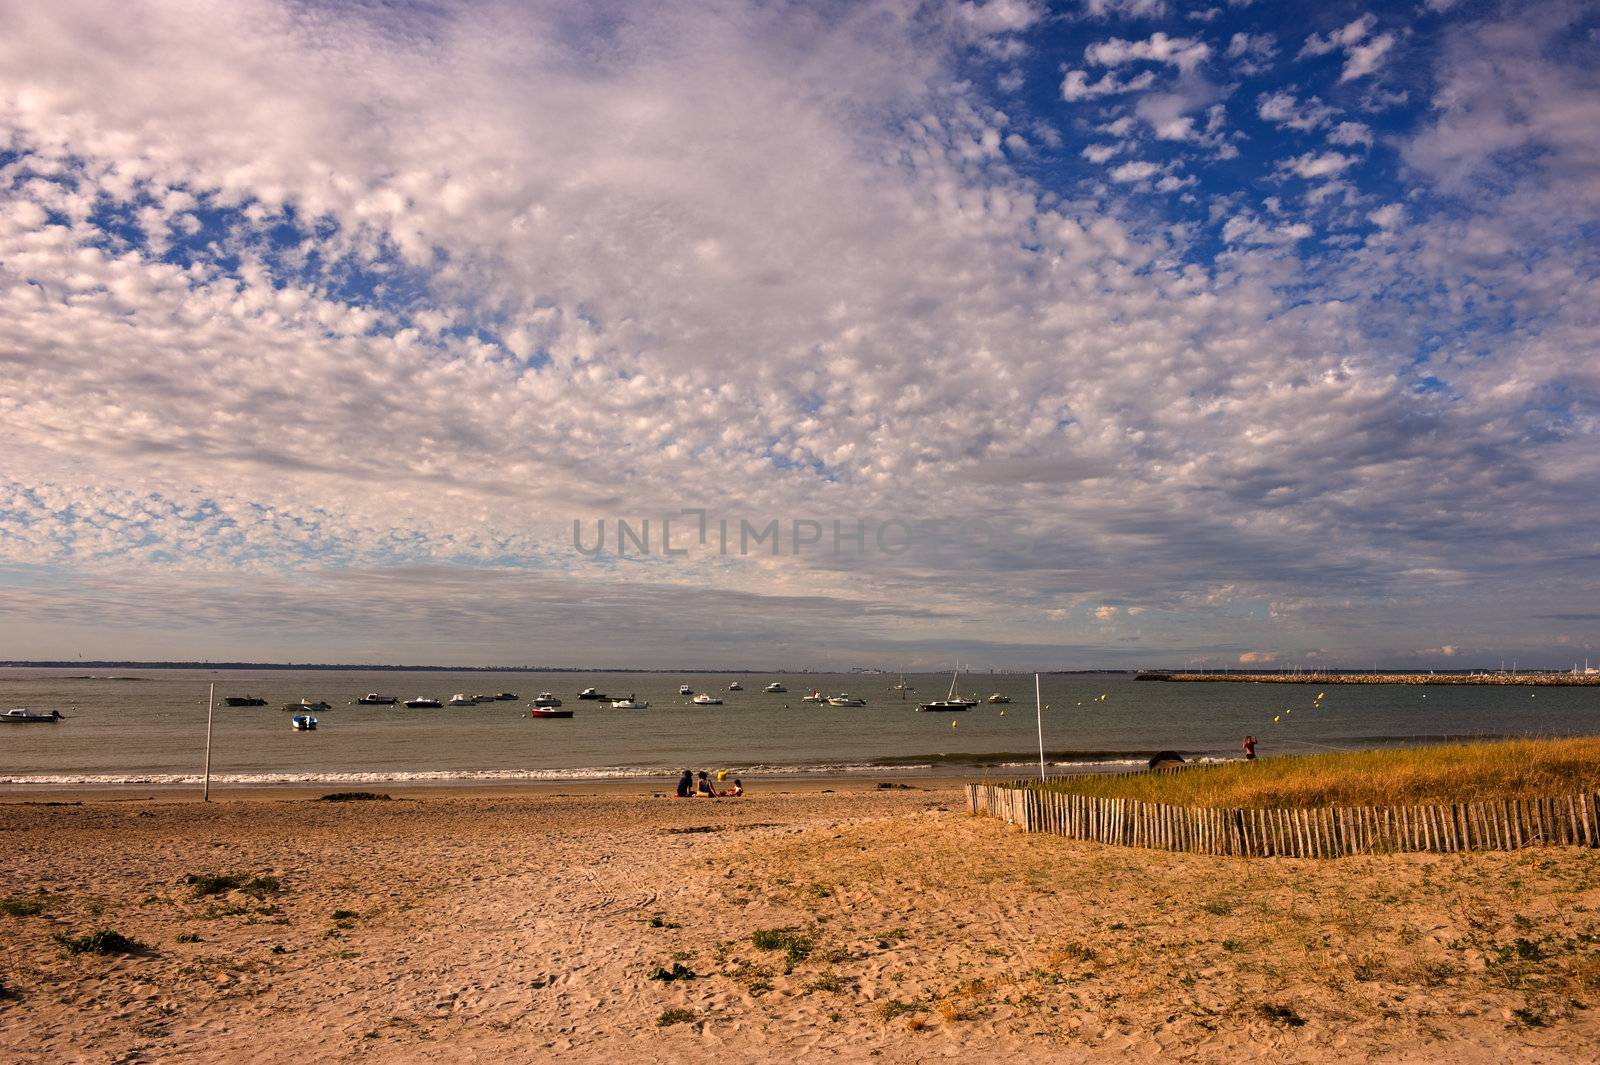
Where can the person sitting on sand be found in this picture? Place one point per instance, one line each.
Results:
(704, 786)
(735, 791)
(1249, 748)
(686, 785)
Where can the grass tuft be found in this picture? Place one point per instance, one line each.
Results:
(796, 945)
(207, 884)
(673, 1016)
(24, 905)
(104, 941)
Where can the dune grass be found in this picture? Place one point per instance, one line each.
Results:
(1461, 772)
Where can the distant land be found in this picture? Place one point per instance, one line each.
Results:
(1540, 677)
(386, 667)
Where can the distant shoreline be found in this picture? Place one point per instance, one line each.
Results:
(1547, 680)
(369, 667)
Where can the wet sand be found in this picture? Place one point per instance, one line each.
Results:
(837, 922)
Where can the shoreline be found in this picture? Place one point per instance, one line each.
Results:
(1543, 680)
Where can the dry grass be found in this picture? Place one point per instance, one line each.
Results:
(1464, 772)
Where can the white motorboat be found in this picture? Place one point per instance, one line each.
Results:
(706, 699)
(775, 688)
(23, 716)
(845, 699)
(463, 699)
(546, 699)
(813, 697)
(422, 702)
(736, 687)
(374, 699)
(591, 693)
(999, 697)
(630, 703)
(684, 689)
(303, 723)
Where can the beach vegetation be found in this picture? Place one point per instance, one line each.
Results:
(795, 944)
(24, 905)
(1279, 1014)
(208, 884)
(104, 941)
(678, 971)
(676, 1015)
(658, 921)
(344, 915)
(1443, 773)
(832, 983)
(895, 1008)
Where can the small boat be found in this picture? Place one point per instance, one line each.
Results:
(547, 711)
(23, 716)
(307, 704)
(813, 697)
(422, 702)
(303, 723)
(510, 697)
(684, 689)
(775, 688)
(999, 697)
(630, 703)
(374, 699)
(591, 693)
(546, 700)
(706, 699)
(736, 687)
(846, 699)
(463, 699)
(242, 700)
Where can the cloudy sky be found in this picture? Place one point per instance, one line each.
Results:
(1112, 332)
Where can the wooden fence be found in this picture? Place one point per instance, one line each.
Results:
(1509, 824)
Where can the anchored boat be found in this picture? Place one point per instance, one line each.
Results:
(23, 716)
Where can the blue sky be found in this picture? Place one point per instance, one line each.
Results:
(1233, 333)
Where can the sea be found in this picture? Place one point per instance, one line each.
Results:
(148, 726)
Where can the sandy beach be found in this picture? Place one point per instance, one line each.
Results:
(819, 922)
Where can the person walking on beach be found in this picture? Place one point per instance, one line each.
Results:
(1249, 748)
(686, 785)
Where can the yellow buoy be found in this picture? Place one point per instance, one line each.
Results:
(1321, 694)
(1002, 713)
(952, 724)
(1277, 717)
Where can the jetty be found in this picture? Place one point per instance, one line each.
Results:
(1544, 680)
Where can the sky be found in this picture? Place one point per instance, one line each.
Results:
(1124, 333)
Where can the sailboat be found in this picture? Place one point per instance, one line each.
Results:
(952, 701)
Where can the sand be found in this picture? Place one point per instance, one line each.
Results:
(525, 926)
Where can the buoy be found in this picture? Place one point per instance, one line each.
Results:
(1321, 694)
(1002, 713)
(952, 724)
(1276, 717)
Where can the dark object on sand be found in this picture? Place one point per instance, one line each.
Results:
(242, 700)
(1165, 759)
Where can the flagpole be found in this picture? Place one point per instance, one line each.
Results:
(1038, 706)
(211, 702)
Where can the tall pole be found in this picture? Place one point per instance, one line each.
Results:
(211, 702)
(1038, 709)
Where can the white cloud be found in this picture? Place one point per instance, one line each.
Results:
(1252, 52)
(999, 16)
(1257, 658)
(1185, 53)
(1105, 613)
(1125, 8)
(1099, 153)
(1134, 170)
(1362, 55)
(1318, 164)
(1283, 108)
(1389, 216)
(1077, 86)
(1351, 134)
(1365, 58)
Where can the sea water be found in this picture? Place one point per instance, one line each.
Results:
(148, 726)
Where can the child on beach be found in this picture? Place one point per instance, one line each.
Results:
(735, 791)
